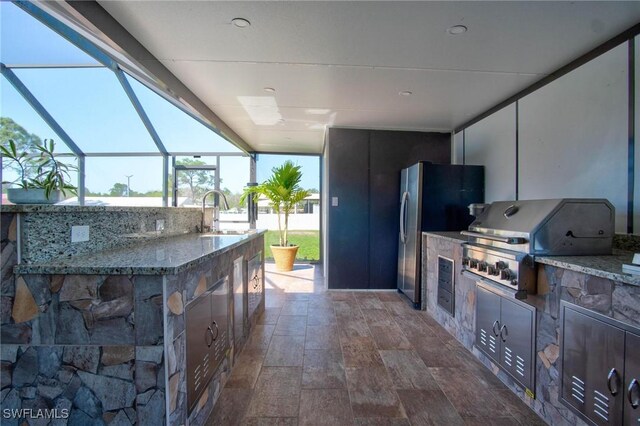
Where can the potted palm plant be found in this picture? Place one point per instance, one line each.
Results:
(283, 190)
(50, 183)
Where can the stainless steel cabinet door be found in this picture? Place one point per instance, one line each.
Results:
(199, 341)
(516, 343)
(632, 380)
(592, 367)
(403, 229)
(488, 323)
(238, 301)
(412, 248)
(254, 284)
(219, 322)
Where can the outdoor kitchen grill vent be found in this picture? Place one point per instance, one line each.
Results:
(547, 227)
(506, 237)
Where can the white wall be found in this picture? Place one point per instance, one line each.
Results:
(572, 138)
(573, 135)
(457, 149)
(491, 143)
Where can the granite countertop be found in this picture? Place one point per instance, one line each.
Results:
(163, 256)
(72, 208)
(448, 235)
(609, 267)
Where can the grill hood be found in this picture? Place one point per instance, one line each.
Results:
(568, 226)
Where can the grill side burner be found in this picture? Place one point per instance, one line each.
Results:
(506, 237)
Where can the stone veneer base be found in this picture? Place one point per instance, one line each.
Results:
(109, 348)
(611, 298)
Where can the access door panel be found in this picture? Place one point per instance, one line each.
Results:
(516, 339)
(488, 323)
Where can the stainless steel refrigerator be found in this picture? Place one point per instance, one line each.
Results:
(433, 197)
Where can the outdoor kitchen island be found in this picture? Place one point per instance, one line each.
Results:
(593, 283)
(105, 335)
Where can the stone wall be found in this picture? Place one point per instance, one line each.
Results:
(96, 344)
(182, 289)
(91, 344)
(614, 299)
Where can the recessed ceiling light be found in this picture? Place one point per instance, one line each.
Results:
(457, 29)
(241, 22)
(405, 93)
(269, 89)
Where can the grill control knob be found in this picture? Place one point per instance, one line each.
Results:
(506, 274)
(492, 270)
(473, 264)
(482, 267)
(501, 265)
(465, 261)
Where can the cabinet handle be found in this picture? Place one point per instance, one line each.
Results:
(635, 403)
(496, 324)
(209, 335)
(213, 323)
(613, 374)
(504, 330)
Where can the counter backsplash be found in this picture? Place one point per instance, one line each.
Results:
(46, 234)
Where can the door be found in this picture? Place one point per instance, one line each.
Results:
(219, 322)
(254, 284)
(200, 338)
(632, 380)
(516, 341)
(592, 367)
(488, 323)
(403, 228)
(411, 276)
(238, 301)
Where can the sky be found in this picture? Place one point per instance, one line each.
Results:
(91, 106)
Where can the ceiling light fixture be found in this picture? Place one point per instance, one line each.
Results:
(405, 93)
(241, 22)
(457, 29)
(269, 89)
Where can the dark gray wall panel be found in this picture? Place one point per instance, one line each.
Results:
(390, 152)
(348, 222)
(636, 184)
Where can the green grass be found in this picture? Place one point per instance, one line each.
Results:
(309, 242)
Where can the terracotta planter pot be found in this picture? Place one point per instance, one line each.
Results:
(284, 257)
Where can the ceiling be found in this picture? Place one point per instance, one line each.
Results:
(344, 63)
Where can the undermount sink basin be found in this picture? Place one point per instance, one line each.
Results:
(229, 232)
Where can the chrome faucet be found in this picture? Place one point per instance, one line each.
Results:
(216, 209)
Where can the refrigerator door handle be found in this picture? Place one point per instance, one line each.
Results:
(403, 217)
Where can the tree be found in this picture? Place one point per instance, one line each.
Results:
(232, 199)
(198, 181)
(284, 191)
(118, 190)
(24, 141)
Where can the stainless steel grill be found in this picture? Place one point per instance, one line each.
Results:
(506, 237)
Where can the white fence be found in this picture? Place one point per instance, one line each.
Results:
(297, 221)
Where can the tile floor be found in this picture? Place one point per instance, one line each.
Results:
(357, 358)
